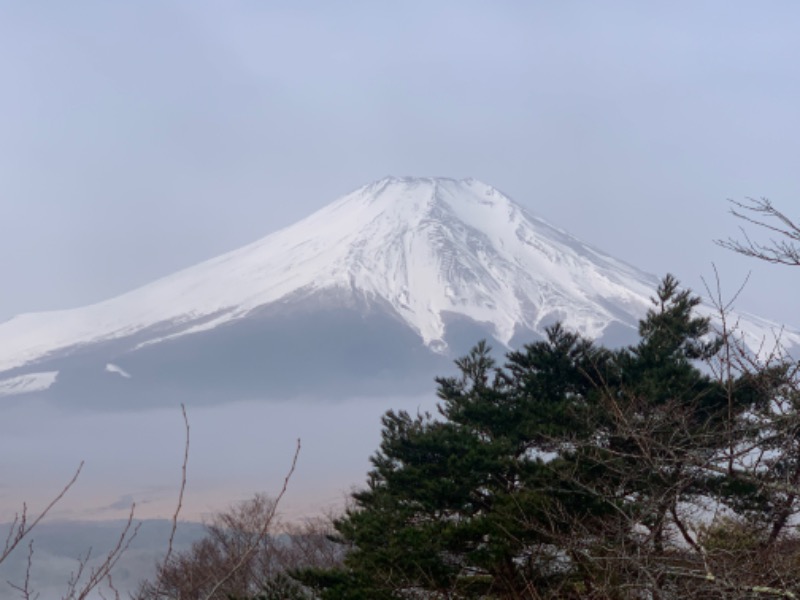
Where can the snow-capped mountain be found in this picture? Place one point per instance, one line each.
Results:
(427, 257)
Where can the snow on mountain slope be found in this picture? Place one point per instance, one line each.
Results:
(30, 382)
(427, 247)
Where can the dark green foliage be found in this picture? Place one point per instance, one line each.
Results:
(568, 472)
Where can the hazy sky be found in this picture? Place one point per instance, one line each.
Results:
(137, 138)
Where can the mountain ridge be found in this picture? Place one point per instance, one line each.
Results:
(223, 294)
(426, 252)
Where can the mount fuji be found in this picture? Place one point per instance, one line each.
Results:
(377, 291)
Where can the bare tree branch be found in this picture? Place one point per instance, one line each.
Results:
(785, 249)
(20, 527)
(25, 589)
(262, 533)
(96, 575)
(171, 543)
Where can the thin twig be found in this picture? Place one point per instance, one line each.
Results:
(23, 529)
(246, 555)
(171, 543)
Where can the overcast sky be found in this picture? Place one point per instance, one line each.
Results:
(137, 138)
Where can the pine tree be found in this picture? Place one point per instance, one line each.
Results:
(463, 504)
(571, 471)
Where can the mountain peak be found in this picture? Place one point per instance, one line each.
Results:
(416, 200)
(427, 250)
(409, 183)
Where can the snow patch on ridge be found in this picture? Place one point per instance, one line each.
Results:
(112, 368)
(30, 382)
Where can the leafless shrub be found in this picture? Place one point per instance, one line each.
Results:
(244, 550)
